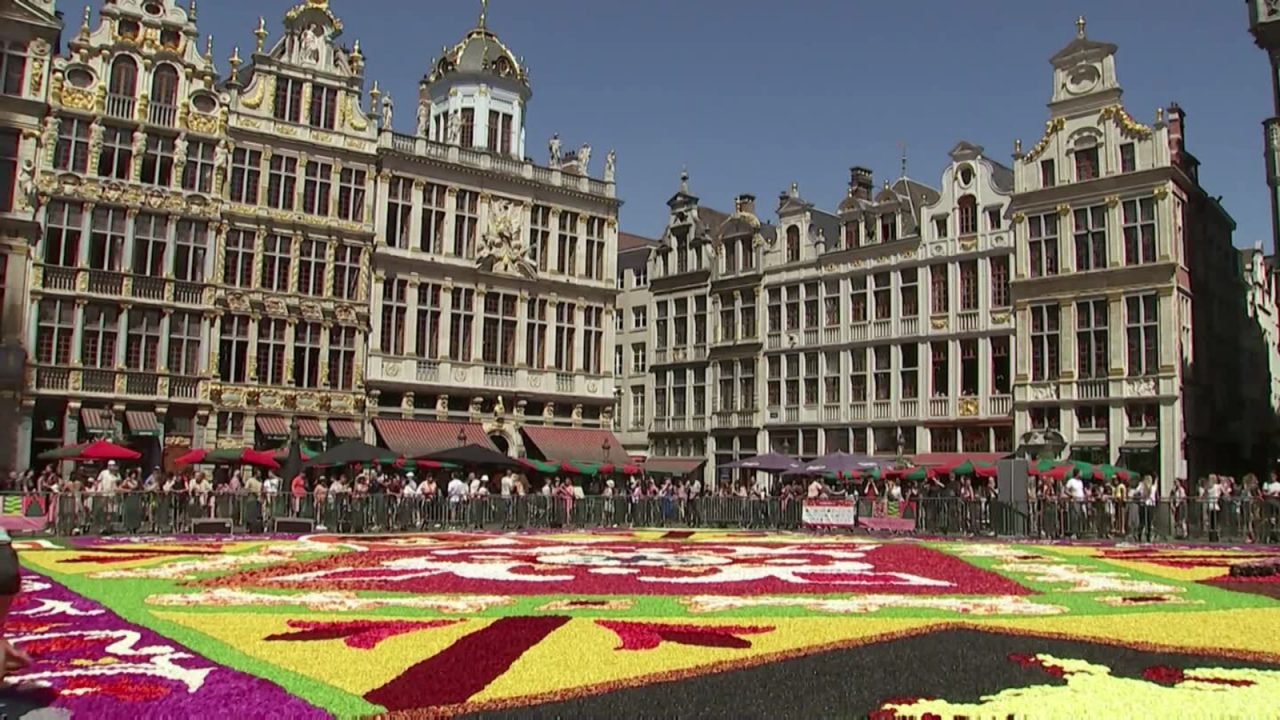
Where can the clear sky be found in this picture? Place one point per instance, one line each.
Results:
(754, 95)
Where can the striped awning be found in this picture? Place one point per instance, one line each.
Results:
(273, 426)
(345, 429)
(952, 459)
(415, 438)
(672, 466)
(142, 423)
(576, 444)
(96, 420)
(310, 428)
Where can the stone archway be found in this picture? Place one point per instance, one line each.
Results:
(506, 438)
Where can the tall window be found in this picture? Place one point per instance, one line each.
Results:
(792, 385)
(428, 321)
(462, 317)
(852, 238)
(909, 357)
(1139, 231)
(233, 351)
(567, 245)
(831, 299)
(1045, 321)
(940, 226)
(150, 239)
(811, 293)
(324, 106)
(500, 132)
(124, 77)
(661, 325)
(1143, 416)
(679, 393)
(1092, 360)
(592, 339)
(433, 216)
(164, 95)
(277, 253)
(106, 243)
(63, 228)
(793, 243)
(465, 222)
(498, 343)
(747, 315)
(1128, 158)
(399, 211)
(246, 175)
(882, 357)
(728, 319)
(116, 156)
(857, 300)
(535, 334)
(346, 272)
(186, 331)
(157, 161)
(72, 152)
(857, 375)
(1091, 238)
(1001, 366)
(1000, 281)
(395, 315)
(1142, 328)
(969, 285)
(994, 219)
(566, 336)
(639, 359)
(883, 284)
(288, 101)
(13, 67)
(640, 317)
(189, 252)
(307, 351)
(680, 321)
(910, 292)
(98, 340)
(1042, 232)
(468, 127)
(1048, 174)
(311, 265)
(540, 236)
(342, 358)
(142, 341)
(238, 260)
(940, 353)
(197, 174)
(317, 188)
(939, 289)
(888, 227)
(1086, 164)
(747, 384)
(271, 351)
(968, 207)
(282, 182)
(351, 194)
(637, 407)
(54, 333)
(595, 248)
(969, 367)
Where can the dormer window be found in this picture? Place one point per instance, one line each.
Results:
(124, 77)
(1086, 164)
(940, 226)
(793, 244)
(968, 215)
(324, 106)
(1048, 174)
(170, 39)
(128, 29)
(852, 237)
(468, 127)
(871, 230)
(888, 227)
(1128, 158)
(288, 100)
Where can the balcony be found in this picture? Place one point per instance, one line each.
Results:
(106, 282)
(910, 325)
(882, 410)
(831, 336)
(58, 278)
(939, 407)
(98, 381)
(118, 285)
(660, 356)
(775, 341)
(831, 413)
(1000, 406)
(160, 114)
(148, 288)
(117, 383)
(811, 337)
(698, 424)
(882, 329)
(499, 377)
(722, 419)
(121, 106)
(908, 409)
(968, 321)
(428, 371)
(791, 414)
(859, 332)
(1092, 389)
(858, 412)
(564, 383)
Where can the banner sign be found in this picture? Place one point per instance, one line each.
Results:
(887, 515)
(829, 513)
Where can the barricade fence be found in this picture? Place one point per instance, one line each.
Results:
(1227, 521)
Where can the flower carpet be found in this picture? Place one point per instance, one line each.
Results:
(637, 624)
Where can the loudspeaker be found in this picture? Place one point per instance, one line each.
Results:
(211, 526)
(299, 526)
(1012, 481)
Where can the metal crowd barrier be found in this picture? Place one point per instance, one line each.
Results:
(1229, 521)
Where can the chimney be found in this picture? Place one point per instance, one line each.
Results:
(1177, 130)
(860, 183)
(745, 203)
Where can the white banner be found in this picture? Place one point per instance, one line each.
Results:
(829, 513)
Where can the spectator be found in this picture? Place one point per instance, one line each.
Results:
(1075, 493)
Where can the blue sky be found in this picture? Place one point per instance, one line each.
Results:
(754, 95)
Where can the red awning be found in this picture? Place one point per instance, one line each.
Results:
(273, 426)
(953, 459)
(96, 420)
(310, 428)
(415, 438)
(672, 466)
(345, 429)
(576, 444)
(142, 423)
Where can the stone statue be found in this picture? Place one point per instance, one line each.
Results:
(554, 146)
(221, 164)
(387, 108)
(180, 150)
(27, 183)
(96, 134)
(549, 412)
(49, 139)
(584, 158)
(502, 246)
(455, 127)
(610, 165)
(577, 414)
(499, 408)
(442, 405)
(424, 118)
(311, 40)
(139, 144)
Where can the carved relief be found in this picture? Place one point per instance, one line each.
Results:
(1141, 387)
(968, 407)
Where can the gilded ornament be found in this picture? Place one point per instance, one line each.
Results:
(1161, 193)
(1064, 209)
(999, 318)
(1113, 200)
(1129, 127)
(968, 407)
(1019, 218)
(78, 98)
(1051, 128)
(939, 323)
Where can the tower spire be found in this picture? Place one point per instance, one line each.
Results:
(1080, 27)
(903, 145)
(484, 12)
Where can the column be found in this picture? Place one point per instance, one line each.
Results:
(70, 432)
(251, 357)
(170, 246)
(553, 241)
(477, 324)
(86, 230)
(450, 218)
(611, 338)
(201, 432)
(1067, 340)
(411, 315)
(166, 316)
(259, 240)
(446, 319)
(415, 219)
(126, 258)
(330, 257)
(162, 414)
(522, 328)
(122, 334)
(553, 330)
(375, 309)
(210, 331)
(335, 188)
(325, 328)
(292, 328)
(578, 323)
(1115, 231)
(580, 267)
(300, 173)
(266, 173)
(33, 330)
(295, 254)
(1116, 341)
(1169, 330)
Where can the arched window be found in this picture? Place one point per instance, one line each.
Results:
(793, 243)
(164, 86)
(124, 77)
(968, 215)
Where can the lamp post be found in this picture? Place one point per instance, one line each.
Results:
(462, 437)
(604, 450)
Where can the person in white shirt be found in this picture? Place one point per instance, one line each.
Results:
(506, 485)
(271, 485)
(108, 479)
(477, 483)
(506, 489)
(1212, 495)
(457, 490)
(815, 489)
(1075, 491)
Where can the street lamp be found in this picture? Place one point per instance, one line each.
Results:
(462, 437)
(604, 450)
